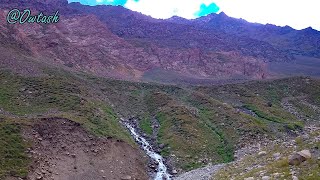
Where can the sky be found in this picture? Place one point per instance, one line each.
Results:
(298, 14)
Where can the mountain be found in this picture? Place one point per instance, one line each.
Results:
(303, 42)
(109, 93)
(119, 43)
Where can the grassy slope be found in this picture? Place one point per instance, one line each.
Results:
(57, 94)
(275, 91)
(256, 96)
(310, 170)
(196, 124)
(63, 94)
(13, 159)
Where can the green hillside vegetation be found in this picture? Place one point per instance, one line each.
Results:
(13, 160)
(197, 124)
(276, 169)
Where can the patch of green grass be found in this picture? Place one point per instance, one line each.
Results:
(69, 95)
(165, 152)
(282, 117)
(100, 119)
(305, 110)
(13, 159)
(262, 114)
(155, 100)
(311, 170)
(225, 149)
(191, 138)
(21, 95)
(145, 125)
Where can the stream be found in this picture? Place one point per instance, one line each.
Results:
(162, 172)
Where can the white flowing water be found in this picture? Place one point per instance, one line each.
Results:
(161, 173)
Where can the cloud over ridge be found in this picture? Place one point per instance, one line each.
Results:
(295, 13)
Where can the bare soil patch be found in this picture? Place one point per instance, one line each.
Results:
(63, 150)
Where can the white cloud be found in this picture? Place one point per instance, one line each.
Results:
(167, 8)
(296, 13)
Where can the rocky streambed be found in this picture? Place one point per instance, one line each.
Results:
(158, 162)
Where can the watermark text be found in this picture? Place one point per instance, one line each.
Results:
(17, 16)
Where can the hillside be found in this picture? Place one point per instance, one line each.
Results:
(195, 92)
(197, 125)
(112, 41)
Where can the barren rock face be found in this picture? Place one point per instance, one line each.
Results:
(85, 42)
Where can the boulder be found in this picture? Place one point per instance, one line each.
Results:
(126, 178)
(265, 177)
(305, 153)
(161, 146)
(299, 157)
(262, 153)
(276, 156)
(276, 175)
(249, 178)
(174, 172)
(152, 166)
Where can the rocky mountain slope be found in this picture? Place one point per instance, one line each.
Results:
(115, 42)
(55, 89)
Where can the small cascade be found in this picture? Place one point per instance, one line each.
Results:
(162, 170)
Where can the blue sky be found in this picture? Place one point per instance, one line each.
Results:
(298, 14)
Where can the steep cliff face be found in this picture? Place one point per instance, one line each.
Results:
(116, 42)
(187, 34)
(83, 42)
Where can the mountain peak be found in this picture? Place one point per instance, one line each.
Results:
(309, 29)
(177, 19)
(223, 14)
